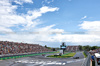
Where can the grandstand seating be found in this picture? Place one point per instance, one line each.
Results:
(7, 47)
(72, 48)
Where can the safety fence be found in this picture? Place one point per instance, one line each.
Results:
(87, 60)
(86, 52)
(23, 55)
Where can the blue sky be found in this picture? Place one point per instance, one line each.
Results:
(50, 22)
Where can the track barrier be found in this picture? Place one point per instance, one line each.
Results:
(20, 56)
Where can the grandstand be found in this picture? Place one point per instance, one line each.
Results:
(8, 48)
(72, 48)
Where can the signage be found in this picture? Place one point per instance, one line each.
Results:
(61, 51)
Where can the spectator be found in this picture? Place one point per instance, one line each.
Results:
(7, 47)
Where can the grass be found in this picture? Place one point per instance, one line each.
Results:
(20, 56)
(62, 56)
(84, 54)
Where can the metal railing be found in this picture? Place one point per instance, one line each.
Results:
(87, 60)
(19, 54)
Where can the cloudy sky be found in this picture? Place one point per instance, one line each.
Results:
(50, 22)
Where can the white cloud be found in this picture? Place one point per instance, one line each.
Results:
(84, 17)
(9, 18)
(38, 13)
(48, 1)
(44, 35)
(39, 38)
(45, 9)
(91, 25)
(4, 29)
(49, 30)
(22, 1)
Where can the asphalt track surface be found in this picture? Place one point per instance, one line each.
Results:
(79, 54)
(44, 61)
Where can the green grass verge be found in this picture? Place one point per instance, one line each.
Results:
(14, 57)
(63, 56)
(84, 54)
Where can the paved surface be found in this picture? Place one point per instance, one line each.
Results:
(79, 54)
(43, 61)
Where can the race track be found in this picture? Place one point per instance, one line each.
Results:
(43, 61)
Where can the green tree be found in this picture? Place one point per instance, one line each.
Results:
(53, 49)
(80, 48)
(94, 47)
(49, 48)
(45, 46)
(87, 48)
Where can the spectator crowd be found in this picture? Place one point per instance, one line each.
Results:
(72, 48)
(7, 47)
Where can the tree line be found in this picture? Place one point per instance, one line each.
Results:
(88, 48)
(81, 48)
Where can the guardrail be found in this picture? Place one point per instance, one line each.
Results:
(87, 53)
(3, 57)
(87, 60)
